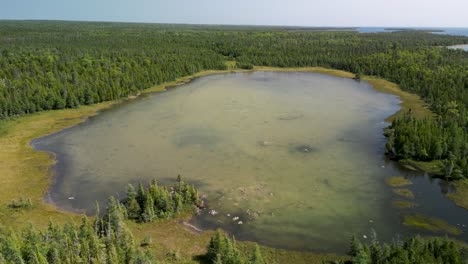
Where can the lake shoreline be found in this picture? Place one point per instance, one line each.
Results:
(58, 120)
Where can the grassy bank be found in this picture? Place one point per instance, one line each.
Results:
(332, 72)
(460, 196)
(408, 100)
(26, 173)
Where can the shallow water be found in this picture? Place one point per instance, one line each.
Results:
(298, 157)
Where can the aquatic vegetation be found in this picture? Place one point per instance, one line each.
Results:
(403, 204)
(432, 224)
(397, 181)
(404, 192)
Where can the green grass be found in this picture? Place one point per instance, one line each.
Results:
(431, 167)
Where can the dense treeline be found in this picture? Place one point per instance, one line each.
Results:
(54, 65)
(431, 139)
(158, 202)
(415, 250)
(104, 241)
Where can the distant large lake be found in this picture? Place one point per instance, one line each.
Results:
(298, 157)
(463, 47)
(443, 31)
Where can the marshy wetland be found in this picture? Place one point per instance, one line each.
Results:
(287, 159)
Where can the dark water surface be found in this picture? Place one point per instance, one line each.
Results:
(297, 157)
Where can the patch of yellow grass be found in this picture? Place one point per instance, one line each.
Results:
(431, 224)
(171, 236)
(398, 181)
(25, 172)
(332, 72)
(408, 100)
(404, 192)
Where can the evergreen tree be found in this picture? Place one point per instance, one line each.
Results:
(131, 203)
(257, 256)
(148, 214)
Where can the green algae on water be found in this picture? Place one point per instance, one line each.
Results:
(404, 193)
(403, 204)
(398, 181)
(432, 224)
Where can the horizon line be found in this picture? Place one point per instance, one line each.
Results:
(218, 24)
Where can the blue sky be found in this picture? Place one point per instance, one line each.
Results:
(429, 13)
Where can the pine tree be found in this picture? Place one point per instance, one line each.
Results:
(355, 246)
(131, 203)
(178, 202)
(113, 216)
(141, 196)
(53, 256)
(112, 256)
(361, 257)
(148, 210)
(257, 256)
